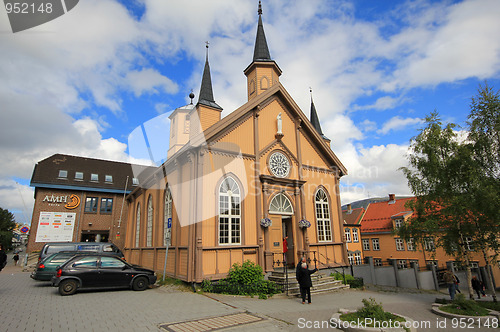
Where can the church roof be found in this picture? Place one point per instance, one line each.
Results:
(206, 93)
(314, 119)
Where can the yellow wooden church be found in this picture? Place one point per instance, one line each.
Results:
(234, 188)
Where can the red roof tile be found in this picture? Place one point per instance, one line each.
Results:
(378, 216)
(354, 217)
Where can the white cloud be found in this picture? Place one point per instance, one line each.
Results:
(147, 80)
(398, 123)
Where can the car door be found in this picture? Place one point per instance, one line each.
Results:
(85, 268)
(113, 272)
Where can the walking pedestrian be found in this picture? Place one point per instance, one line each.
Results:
(3, 258)
(478, 286)
(305, 283)
(449, 279)
(16, 258)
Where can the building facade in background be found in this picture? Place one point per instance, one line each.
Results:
(79, 199)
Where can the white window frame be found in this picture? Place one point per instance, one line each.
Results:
(410, 245)
(229, 212)
(280, 204)
(366, 244)
(350, 258)
(429, 244)
(357, 258)
(149, 229)
(322, 211)
(377, 262)
(400, 246)
(347, 235)
(402, 264)
(376, 244)
(355, 236)
(398, 223)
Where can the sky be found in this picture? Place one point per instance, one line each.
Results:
(82, 83)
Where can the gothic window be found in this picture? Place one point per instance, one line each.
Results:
(229, 212)
(138, 225)
(149, 230)
(323, 216)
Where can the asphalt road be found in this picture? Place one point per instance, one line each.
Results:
(29, 305)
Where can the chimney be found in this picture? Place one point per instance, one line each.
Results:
(349, 209)
(392, 198)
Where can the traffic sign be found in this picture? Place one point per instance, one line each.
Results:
(169, 223)
(25, 229)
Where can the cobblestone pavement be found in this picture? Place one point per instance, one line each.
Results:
(28, 305)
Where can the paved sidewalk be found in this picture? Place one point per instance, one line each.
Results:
(28, 305)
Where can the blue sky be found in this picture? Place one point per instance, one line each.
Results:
(82, 83)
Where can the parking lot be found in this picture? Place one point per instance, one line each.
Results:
(28, 305)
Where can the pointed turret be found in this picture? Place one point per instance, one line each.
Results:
(263, 72)
(261, 51)
(206, 93)
(206, 112)
(315, 120)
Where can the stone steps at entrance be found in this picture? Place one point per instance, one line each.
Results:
(321, 282)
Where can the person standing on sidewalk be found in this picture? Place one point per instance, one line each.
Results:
(305, 283)
(449, 279)
(3, 258)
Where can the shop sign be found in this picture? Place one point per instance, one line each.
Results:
(72, 201)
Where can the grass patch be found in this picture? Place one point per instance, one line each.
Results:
(373, 312)
(489, 305)
(171, 282)
(461, 306)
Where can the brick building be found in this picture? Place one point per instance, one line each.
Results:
(79, 199)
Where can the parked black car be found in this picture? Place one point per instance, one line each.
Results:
(100, 271)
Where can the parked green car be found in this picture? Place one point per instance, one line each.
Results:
(46, 268)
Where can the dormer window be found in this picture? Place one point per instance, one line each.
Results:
(63, 174)
(94, 177)
(135, 181)
(108, 178)
(78, 175)
(398, 223)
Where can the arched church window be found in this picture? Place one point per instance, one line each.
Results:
(149, 230)
(280, 204)
(229, 212)
(323, 216)
(138, 225)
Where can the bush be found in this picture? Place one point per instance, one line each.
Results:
(461, 306)
(353, 282)
(244, 279)
(371, 309)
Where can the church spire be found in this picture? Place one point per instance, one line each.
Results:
(206, 93)
(314, 117)
(263, 72)
(261, 51)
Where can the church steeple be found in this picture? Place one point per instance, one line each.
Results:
(206, 93)
(207, 112)
(263, 72)
(315, 120)
(261, 51)
(314, 116)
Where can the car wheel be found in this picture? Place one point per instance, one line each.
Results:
(140, 284)
(68, 287)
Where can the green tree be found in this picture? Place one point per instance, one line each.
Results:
(455, 178)
(7, 225)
